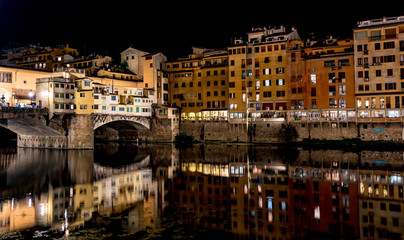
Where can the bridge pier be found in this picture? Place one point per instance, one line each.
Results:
(80, 133)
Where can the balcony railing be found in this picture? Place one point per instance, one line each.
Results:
(382, 37)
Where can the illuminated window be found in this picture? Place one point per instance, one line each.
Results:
(317, 212)
(313, 78)
(270, 205)
(283, 205)
(270, 217)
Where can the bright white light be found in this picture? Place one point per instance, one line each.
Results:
(317, 212)
(42, 209)
(29, 202)
(30, 94)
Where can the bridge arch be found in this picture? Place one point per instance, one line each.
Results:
(100, 120)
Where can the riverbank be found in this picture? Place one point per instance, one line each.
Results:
(349, 144)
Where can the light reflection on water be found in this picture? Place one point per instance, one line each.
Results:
(232, 191)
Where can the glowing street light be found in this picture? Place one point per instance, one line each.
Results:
(30, 95)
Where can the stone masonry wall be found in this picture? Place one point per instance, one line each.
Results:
(267, 132)
(230, 132)
(80, 132)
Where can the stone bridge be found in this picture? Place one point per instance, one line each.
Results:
(33, 134)
(36, 128)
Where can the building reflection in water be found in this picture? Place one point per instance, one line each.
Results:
(248, 192)
(317, 194)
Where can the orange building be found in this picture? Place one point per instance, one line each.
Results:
(296, 82)
(329, 78)
(257, 73)
(199, 84)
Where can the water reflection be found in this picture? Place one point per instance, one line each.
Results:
(241, 192)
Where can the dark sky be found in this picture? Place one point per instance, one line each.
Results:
(171, 27)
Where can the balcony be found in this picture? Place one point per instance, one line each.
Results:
(382, 37)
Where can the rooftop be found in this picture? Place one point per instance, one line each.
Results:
(380, 21)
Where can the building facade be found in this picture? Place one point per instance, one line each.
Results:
(199, 85)
(258, 73)
(379, 75)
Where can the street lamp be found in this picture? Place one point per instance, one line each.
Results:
(30, 95)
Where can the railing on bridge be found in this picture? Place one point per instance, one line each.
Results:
(22, 110)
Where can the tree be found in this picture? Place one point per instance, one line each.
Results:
(287, 133)
(251, 131)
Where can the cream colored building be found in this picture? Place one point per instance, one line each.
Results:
(18, 85)
(134, 60)
(379, 75)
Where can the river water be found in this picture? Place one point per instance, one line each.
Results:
(227, 191)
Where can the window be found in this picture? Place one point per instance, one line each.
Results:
(375, 35)
(313, 78)
(280, 93)
(390, 86)
(267, 94)
(388, 45)
(342, 89)
(6, 77)
(343, 62)
(280, 70)
(390, 58)
(313, 92)
(280, 82)
(360, 34)
(267, 83)
(317, 212)
(329, 63)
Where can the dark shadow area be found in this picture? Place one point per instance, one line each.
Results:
(7, 136)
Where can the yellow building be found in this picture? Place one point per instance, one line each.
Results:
(117, 73)
(58, 92)
(199, 84)
(257, 73)
(152, 65)
(84, 96)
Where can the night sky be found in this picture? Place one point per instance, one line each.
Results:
(171, 27)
